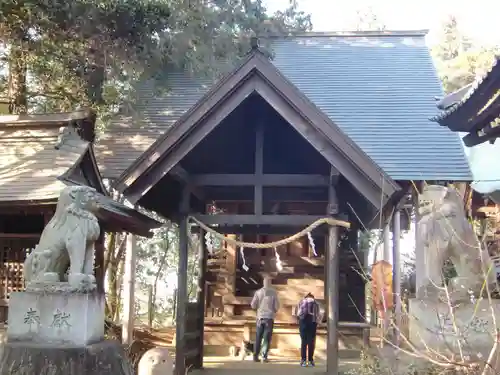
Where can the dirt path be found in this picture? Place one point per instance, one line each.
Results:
(231, 366)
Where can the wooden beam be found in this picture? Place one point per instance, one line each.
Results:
(488, 134)
(271, 194)
(182, 292)
(259, 169)
(284, 220)
(284, 180)
(183, 176)
(202, 281)
(360, 172)
(152, 176)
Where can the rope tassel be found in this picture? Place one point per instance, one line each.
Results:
(279, 266)
(312, 245)
(209, 242)
(244, 265)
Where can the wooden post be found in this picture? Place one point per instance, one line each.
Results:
(174, 313)
(259, 169)
(387, 257)
(387, 243)
(396, 266)
(128, 291)
(201, 295)
(332, 276)
(151, 307)
(182, 295)
(420, 269)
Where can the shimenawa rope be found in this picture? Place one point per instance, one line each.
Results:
(269, 245)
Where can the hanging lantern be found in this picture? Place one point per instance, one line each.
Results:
(382, 294)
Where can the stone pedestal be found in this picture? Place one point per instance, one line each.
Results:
(432, 325)
(55, 317)
(105, 358)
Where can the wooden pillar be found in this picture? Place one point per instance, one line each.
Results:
(259, 168)
(182, 293)
(420, 269)
(332, 279)
(387, 257)
(201, 295)
(128, 291)
(387, 243)
(396, 267)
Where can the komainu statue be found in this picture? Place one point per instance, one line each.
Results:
(447, 235)
(67, 242)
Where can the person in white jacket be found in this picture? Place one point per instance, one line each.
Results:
(265, 301)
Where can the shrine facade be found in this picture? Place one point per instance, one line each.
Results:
(259, 155)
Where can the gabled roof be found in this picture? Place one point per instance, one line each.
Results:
(38, 152)
(256, 75)
(471, 97)
(474, 109)
(451, 100)
(379, 88)
(42, 154)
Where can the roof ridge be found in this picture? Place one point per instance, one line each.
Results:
(353, 33)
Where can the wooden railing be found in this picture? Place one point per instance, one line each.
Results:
(14, 247)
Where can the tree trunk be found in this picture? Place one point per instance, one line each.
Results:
(109, 272)
(119, 283)
(17, 77)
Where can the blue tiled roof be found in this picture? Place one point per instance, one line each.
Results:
(380, 90)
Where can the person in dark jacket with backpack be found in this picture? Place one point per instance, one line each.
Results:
(308, 314)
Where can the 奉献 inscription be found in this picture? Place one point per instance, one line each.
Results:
(60, 320)
(462, 331)
(31, 318)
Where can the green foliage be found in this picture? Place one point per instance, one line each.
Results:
(459, 60)
(157, 261)
(90, 52)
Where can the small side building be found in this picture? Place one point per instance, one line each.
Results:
(474, 109)
(474, 112)
(40, 155)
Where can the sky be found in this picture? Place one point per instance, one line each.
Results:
(478, 19)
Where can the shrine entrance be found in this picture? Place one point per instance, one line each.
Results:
(255, 161)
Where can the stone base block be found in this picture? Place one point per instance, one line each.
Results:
(432, 325)
(105, 358)
(75, 319)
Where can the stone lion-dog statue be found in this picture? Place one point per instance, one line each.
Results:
(67, 242)
(446, 234)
